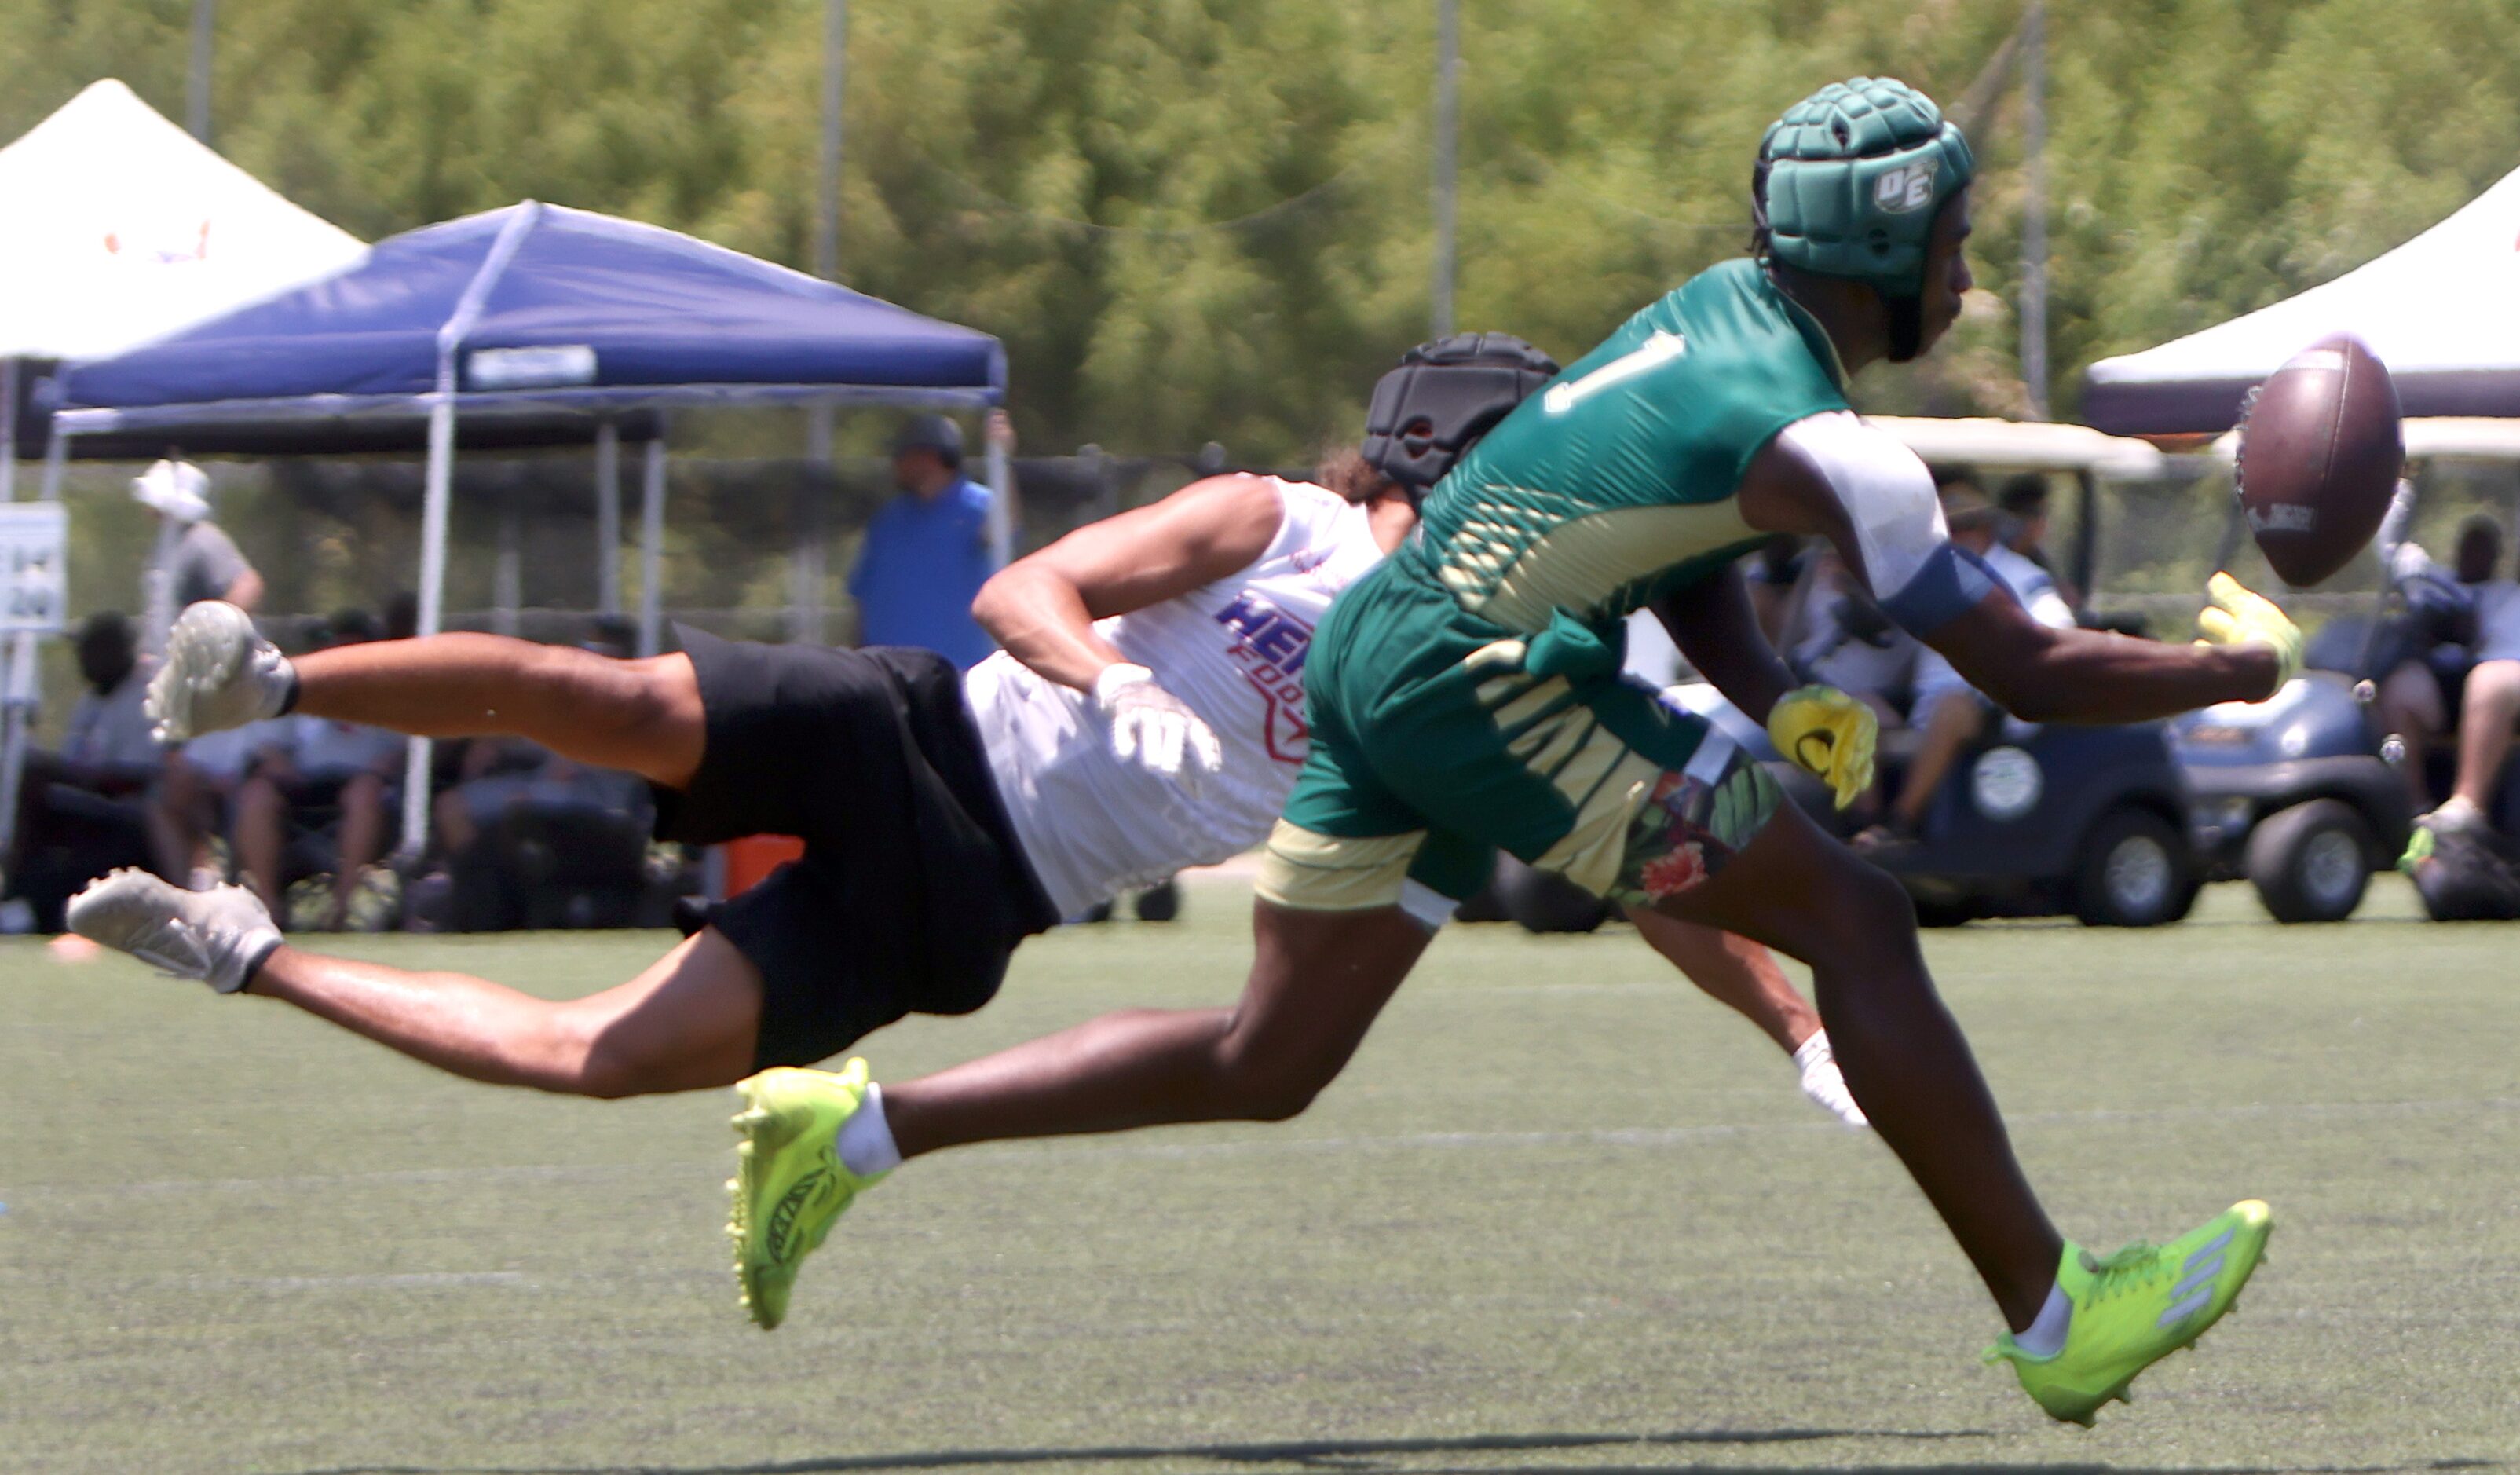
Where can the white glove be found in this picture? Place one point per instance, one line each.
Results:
(2409, 561)
(1824, 1082)
(2399, 518)
(1150, 726)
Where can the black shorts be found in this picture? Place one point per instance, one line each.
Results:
(913, 890)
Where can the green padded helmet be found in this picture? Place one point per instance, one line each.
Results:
(1849, 180)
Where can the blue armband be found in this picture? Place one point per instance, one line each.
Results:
(1948, 584)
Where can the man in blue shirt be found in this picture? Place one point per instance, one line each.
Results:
(926, 554)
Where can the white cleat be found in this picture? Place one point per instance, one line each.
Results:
(219, 673)
(1824, 1082)
(219, 936)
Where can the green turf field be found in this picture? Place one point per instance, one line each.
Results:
(1561, 1214)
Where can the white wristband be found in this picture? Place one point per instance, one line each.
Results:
(1115, 676)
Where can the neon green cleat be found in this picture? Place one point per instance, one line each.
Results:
(789, 1182)
(2136, 1307)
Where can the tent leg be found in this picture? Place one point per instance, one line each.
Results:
(508, 571)
(433, 605)
(651, 547)
(805, 565)
(8, 430)
(1002, 506)
(607, 518)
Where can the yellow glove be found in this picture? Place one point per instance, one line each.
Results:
(2237, 617)
(1830, 734)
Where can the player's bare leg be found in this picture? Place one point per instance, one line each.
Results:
(689, 1021)
(1808, 897)
(1733, 971)
(640, 716)
(1318, 980)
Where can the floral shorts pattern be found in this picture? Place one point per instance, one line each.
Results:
(1691, 826)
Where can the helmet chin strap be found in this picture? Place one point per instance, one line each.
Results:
(1906, 327)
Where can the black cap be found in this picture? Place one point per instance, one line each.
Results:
(930, 432)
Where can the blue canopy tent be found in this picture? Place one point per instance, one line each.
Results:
(536, 321)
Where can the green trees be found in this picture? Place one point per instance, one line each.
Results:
(1208, 219)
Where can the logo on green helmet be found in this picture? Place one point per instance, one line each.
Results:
(1908, 188)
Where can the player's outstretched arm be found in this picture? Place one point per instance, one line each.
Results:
(1041, 609)
(2093, 676)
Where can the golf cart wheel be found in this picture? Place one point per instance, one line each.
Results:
(2135, 872)
(1543, 902)
(2310, 862)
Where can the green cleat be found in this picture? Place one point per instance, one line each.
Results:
(790, 1184)
(2136, 1307)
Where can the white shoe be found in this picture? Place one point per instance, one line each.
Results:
(219, 673)
(2458, 812)
(219, 936)
(1824, 1082)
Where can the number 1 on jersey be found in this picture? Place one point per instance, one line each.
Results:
(1651, 354)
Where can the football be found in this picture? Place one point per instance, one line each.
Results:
(2319, 453)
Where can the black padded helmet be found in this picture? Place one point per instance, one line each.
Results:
(1442, 399)
(930, 432)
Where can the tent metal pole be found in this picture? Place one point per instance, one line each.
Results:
(8, 430)
(808, 561)
(607, 517)
(432, 594)
(19, 684)
(651, 547)
(508, 572)
(1002, 506)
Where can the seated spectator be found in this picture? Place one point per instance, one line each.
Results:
(1846, 641)
(1948, 712)
(319, 771)
(2023, 500)
(2466, 669)
(83, 811)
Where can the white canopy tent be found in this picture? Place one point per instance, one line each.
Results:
(117, 227)
(2443, 311)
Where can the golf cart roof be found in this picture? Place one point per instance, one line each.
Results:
(2025, 446)
(2446, 437)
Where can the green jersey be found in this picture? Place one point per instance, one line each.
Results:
(1615, 483)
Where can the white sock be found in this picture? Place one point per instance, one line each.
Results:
(866, 1145)
(2045, 1336)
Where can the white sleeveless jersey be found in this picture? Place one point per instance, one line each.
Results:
(1233, 652)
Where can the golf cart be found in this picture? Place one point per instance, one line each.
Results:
(2291, 791)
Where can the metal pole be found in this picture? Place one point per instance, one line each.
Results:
(607, 518)
(8, 430)
(807, 561)
(508, 569)
(827, 219)
(196, 77)
(1002, 506)
(1448, 127)
(651, 547)
(432, 590)
(2034, 208)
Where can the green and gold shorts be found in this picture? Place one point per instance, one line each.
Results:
(1436, 738)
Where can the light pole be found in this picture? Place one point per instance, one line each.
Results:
(2033, 206)
(1448, 124)
(197, 75)
(807, 564)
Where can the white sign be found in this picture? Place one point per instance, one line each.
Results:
(35, 547)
